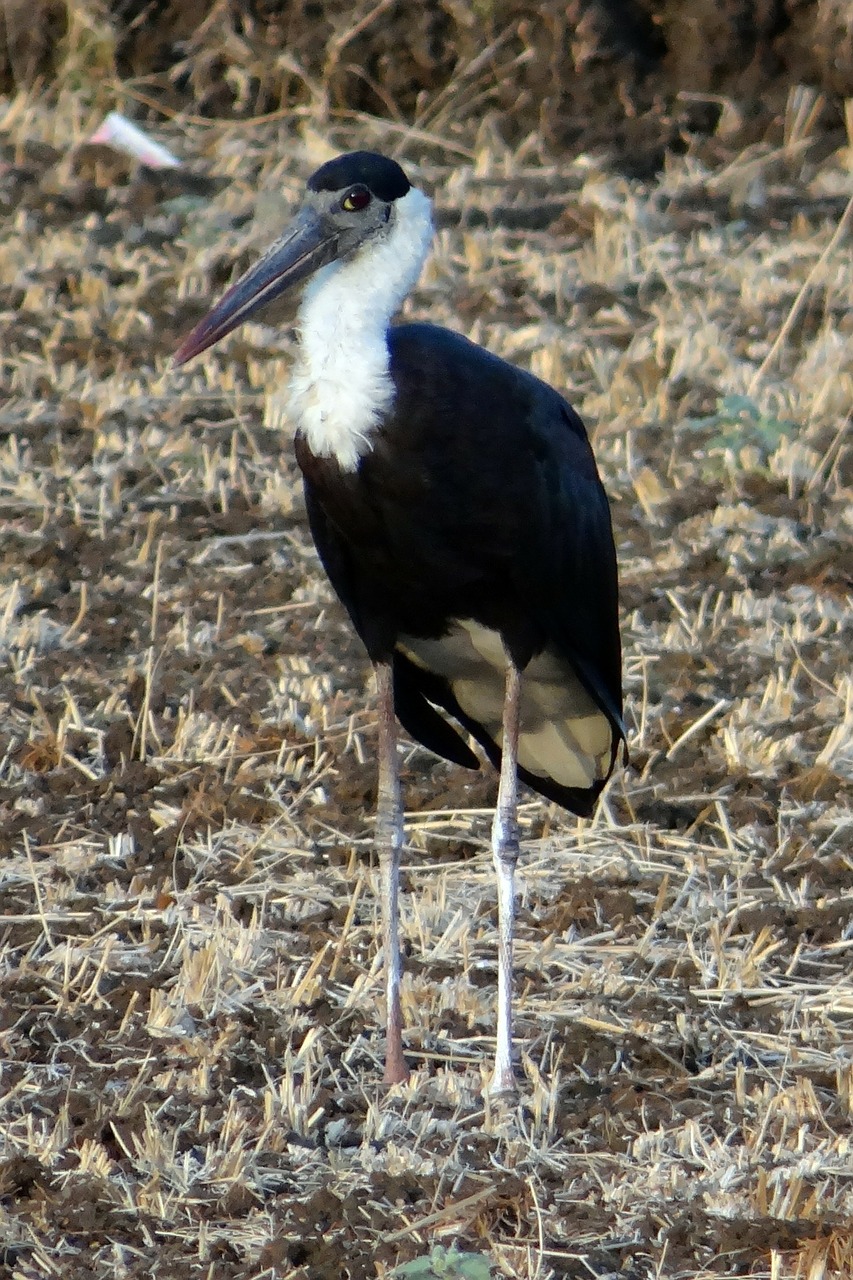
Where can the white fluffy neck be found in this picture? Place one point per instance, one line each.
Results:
(341, 386)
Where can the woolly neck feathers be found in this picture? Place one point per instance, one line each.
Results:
(341, 386)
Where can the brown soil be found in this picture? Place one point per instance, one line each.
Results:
(190, 999)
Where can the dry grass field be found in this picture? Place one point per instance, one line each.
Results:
(191, 997)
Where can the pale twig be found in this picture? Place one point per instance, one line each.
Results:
(797, 304)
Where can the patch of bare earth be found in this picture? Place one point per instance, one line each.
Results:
(190, 989)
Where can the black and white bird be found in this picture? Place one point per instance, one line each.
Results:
(456, 506)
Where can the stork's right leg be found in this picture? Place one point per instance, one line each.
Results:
(505, 854)
(389, 841)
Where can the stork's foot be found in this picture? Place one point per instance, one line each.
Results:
(396, 1071)
(503, 1084)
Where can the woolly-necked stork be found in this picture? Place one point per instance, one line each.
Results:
(456, 506)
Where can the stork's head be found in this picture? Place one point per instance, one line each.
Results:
(354, 206)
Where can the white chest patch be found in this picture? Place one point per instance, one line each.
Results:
(341, 386)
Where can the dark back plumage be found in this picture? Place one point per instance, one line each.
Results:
(479, 500)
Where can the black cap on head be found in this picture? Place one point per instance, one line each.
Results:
(383, 177)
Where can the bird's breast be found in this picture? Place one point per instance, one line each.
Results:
(340, 389)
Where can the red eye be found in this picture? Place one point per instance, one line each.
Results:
(356, 198)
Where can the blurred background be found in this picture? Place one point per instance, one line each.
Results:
(640, 76)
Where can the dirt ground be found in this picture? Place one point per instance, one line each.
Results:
(191, 996)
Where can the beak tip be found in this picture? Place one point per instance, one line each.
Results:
(188, 349)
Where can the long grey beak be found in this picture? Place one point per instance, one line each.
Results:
(305, 247)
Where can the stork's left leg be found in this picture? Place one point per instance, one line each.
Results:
(505, 850)
(389, 840)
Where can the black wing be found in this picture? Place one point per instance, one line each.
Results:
(514, 458)
(572, 558)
